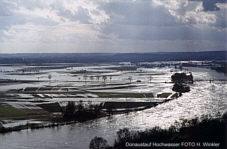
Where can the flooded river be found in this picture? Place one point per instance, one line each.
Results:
(204, 98)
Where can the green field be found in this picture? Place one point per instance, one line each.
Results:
(123, 95)
(163, 95)
(9, 111)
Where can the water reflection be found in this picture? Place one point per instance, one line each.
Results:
(204, 98)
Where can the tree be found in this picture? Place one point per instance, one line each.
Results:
(49, 77)
(150, 77)
(97, 78)
(123, 134)
(85, 78)
(98, 143)
(181, 88)
(110, 78)
(104, 78)
(130, 79)
(182, 78)
(69, 110)
(91, 78)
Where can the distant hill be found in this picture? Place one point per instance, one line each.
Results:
(32, 58)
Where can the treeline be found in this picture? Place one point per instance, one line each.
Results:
(80, 112)
(195, 130)
(112, 57)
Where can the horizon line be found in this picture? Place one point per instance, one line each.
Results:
(114, 52)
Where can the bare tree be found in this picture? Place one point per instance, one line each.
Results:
(130, 79)
(91, 78)
(85, 78)
(104, 78)
(150, 78)
(49, 77)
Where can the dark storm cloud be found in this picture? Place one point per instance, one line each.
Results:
(211, 5)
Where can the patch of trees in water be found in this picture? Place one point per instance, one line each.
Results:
(181, 88)
(182, 78)
(80, 112)
(181, 81)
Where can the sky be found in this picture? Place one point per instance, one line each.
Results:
(112, 26)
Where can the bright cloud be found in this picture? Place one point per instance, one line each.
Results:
(112, 25)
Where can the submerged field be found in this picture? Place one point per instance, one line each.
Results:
(31, 91)
(27, 88)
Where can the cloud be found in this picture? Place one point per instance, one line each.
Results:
(162, 20)
(96, 15)
(188, 12)
(47, 14)
(138, 13)
(211, 5)
(112, 25)
(56, 10)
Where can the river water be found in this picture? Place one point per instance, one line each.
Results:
(204, 98)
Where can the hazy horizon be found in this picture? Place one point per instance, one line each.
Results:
(116, 52)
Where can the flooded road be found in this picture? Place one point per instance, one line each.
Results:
(204, 98)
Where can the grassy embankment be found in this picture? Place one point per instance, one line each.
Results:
(11, 113)
(7, 111)
(123, 95)
(163, 95)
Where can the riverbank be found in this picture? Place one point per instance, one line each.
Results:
(195, 133)
(55, 120)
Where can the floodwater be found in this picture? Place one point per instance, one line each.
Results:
(204, 98)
